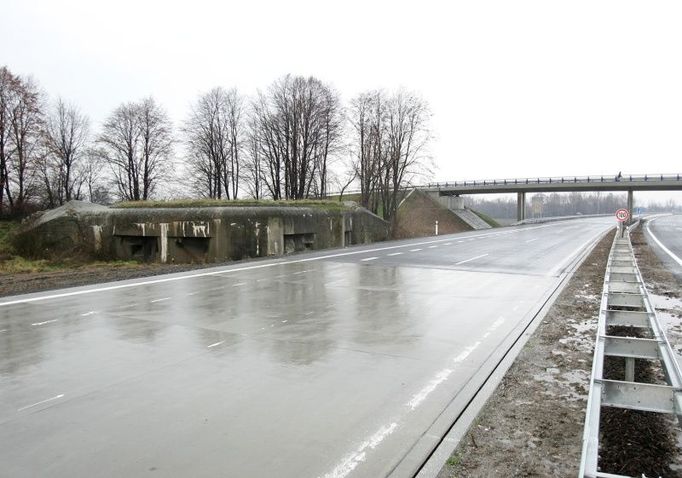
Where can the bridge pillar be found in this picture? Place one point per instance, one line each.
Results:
(630, 204)
(521, 206)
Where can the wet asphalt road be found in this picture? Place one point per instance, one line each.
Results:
(667, 241)
(337, 363)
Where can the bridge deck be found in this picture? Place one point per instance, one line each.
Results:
(658, 182)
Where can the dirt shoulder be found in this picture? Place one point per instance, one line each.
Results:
(533, 423)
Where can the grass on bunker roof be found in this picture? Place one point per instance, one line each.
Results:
(188, 203)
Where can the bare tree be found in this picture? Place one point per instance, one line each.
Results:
(297, 125)
(214, 135)
(25, 117)
(65, 137)
(9, 91)
(137, 144)
(253, 165)
(367, 113)
(391, 134)
(407, 134)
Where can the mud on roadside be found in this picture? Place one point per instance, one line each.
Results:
(532, 425)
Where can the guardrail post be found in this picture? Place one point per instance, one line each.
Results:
(630, 204)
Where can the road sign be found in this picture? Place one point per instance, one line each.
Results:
(622, 215)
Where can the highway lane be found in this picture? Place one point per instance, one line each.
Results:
(664, 234)
(336, 363)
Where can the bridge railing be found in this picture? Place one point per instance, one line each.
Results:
(616, 178)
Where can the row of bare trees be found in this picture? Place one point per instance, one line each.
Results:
(293, 140)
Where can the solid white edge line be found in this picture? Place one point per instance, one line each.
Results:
(660, 244)
(252, 267)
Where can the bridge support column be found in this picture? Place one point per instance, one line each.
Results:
(630, 204)
(521, 206)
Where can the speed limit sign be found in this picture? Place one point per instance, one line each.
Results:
(622, 215)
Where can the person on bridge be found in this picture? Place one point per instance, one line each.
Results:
(620, 175)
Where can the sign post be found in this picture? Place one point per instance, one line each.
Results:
(622, 216)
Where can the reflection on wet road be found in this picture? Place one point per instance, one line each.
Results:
(336, 363)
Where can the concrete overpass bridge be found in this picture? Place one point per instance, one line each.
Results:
(448, 192)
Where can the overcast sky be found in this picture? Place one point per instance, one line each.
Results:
(517, 88)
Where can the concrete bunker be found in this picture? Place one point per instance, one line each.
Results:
(196, 234)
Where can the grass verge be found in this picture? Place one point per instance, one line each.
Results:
(182, 203)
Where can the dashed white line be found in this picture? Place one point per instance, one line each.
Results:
(57, 397)
(394, 254)
(159, 300)
(239, 284)
(92, 312)
(531, 240)
(3, 330)
(470, 259)
(415, 250)
(216, 344)
(46, 322)
(369, 259)
(448, 244)
(432, 247)
(350, 462)
(192, 293)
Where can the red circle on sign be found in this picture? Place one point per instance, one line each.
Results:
(622, 215)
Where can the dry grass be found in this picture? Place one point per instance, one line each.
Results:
(182, 203)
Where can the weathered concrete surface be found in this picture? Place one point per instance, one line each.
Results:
(334, 363)
(202, 234)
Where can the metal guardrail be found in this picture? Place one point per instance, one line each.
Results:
(632, 178)
(625, 302)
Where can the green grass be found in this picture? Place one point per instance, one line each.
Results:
(12, 263)
(491, 222)
(181, 203)
(6, 228)
(454, 460)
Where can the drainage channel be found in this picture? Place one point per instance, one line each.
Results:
(625, 303)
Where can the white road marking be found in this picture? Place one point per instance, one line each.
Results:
(531, 240)
(660, 244)
(394, 254)
(159, 300)
(369, 259)
(469, 260)
(432, 247)
(239, 284)
(92, 312)
(420, 396)
(440, 377)
(46, 322)
(448, 244)
(4, 330)
(239, 269)
(216, 344)
(285, 321)
(415, 250)
(349, 463)
(40, 402)
(193, 293)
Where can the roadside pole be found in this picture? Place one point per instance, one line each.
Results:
(622, 216)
